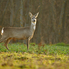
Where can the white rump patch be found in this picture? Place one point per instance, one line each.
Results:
(2, 31)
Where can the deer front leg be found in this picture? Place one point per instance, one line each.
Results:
(27, 44)
(6, 43)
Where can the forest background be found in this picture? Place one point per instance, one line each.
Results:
(53, 20)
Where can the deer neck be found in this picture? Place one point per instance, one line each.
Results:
(33, 27)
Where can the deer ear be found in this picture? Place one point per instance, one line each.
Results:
(30, 14)
(36, 15)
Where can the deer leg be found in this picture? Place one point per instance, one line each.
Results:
(27, 44)
(6, 43)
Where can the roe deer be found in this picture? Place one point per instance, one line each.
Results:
(9, 33)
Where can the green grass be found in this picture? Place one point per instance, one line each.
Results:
(47, 49)
(54, 56)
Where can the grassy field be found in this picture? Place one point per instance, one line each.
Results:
(38, 57)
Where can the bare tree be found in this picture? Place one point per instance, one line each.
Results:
(17, 9)
(4, 11)
(21, 14)
(12, 13)
(52, 22)
(61, 22)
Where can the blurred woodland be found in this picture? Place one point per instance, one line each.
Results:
(52, 23)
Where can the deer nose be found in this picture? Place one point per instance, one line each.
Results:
(33, 20)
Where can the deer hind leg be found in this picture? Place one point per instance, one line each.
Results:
(6, 42)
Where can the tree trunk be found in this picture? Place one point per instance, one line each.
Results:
(4, 11)
(12, 13)
(53, 21)
(39, 26)
(21, 14)
(61, 22)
